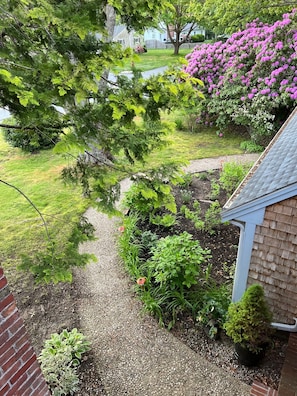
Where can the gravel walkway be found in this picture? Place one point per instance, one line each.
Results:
(133, 355)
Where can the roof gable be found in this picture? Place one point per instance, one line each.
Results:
(273, 177)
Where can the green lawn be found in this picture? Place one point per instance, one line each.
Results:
(153, 59)
(38, 176)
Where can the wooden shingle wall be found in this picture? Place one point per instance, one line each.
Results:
(274, 259)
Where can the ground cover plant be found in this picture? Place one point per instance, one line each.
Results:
(60, 359)
(251, 79)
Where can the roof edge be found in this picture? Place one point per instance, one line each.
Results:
(258, 162)
(259, 203)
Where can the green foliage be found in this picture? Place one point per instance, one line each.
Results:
(151, 192)
(186, 196)
(180, 17)
(177, 260)
(177, 273)
(64, 88)
(193, 215)
(232, 174)
(251, 147)
(166, 220)
(149, 239)
(214, 309)
(212, 217)
(56, 263)
(202, 175)
(179, 124)
(186, 181)
(231, 16)
(198, 38)
(31, 140)
(130, 246)
(177, 264)
(215, 190)
(249, 320)
(59, 360)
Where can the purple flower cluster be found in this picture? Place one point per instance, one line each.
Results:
(259, 61)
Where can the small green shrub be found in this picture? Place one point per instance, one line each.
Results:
(179, 124)
(193, 215)
(165, 220)
(202, 175)
(149, 239)
(198, 38)
(177, 260)
(249, 320)
(214, 310)
(186, 181)
(152, 192)
(186, 196)
(251, 147)
(212, 217)
(60, 358)
(232, 174)
(215, 190)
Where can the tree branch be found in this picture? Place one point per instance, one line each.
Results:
(109, 82)
(34, 127)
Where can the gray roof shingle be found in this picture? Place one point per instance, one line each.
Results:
(275, 169)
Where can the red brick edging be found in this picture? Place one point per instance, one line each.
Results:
(259, 389)
(20, 373)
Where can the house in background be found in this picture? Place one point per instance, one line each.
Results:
(189, 27)
(155, 38)
(151, 38)
(264, 207)
(127, 38)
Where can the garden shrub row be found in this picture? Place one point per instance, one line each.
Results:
(172, 274)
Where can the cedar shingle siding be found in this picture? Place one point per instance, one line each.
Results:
(273, 260)
(265, 208)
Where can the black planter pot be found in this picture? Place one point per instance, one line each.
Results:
(247, 357)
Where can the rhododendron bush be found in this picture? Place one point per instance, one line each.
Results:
(251, 79)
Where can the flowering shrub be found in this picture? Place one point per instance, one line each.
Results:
(251, 79)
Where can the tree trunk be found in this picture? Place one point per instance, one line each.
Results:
(110, 25)
(177, 43)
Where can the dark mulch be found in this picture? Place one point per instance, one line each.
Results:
(223, 243)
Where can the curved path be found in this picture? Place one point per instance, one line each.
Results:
(133, 355)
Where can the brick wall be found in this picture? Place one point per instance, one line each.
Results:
(20, 374)
(274, 259)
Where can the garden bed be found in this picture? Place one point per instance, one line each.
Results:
(222, 241)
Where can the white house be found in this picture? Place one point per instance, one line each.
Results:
(125, 38)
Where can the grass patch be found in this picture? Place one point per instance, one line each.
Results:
(153, 59)
(184, 147)
(38, 176)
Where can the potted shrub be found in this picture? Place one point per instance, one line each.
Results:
(248, 324)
